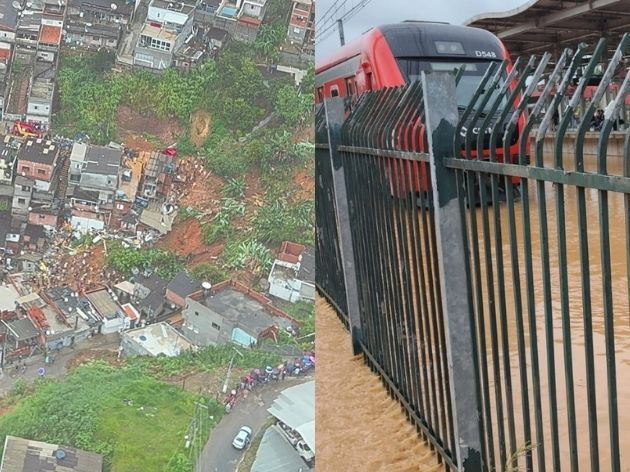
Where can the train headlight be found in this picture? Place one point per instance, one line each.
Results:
(449, 47)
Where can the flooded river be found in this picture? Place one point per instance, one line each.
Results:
(358, 426)
(578, 342)
(380, 430)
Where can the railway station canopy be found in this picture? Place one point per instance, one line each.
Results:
(539, 26)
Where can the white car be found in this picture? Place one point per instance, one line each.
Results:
(304, 451)
(242, 439)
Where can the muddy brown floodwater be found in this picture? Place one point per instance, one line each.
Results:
(358, 426)
(353, 404)
(620, 318)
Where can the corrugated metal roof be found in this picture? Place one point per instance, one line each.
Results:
(25, 455)
(295, 407)
(275, 454)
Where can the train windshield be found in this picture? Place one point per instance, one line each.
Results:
(473, 73)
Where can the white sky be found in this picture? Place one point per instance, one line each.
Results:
(379, 12)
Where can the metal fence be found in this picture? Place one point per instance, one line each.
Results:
(456, 275)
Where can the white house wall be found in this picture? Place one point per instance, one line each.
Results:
(85, 224)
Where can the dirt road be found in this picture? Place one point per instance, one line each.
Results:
(10, 375)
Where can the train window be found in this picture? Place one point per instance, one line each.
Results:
(473, 72)
(350, 85)
(320, 94)
(334, 91)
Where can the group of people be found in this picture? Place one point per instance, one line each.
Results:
(597, 122)
(298, 366)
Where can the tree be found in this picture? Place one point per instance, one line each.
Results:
(291, 105)
(208, 272)
(125, 260)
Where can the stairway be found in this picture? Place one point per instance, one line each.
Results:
(62, 188)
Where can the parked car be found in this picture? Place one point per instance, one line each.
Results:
(288, 433)
(304, 451)
(243, 437)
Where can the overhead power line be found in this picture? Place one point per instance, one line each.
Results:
(329, 28)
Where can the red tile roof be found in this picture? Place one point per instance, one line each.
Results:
(50, 34)
(5, 54)
(248, 20)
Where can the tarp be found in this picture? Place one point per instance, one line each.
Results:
(241, 337)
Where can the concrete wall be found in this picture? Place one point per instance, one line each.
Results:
(615, 143)
(18, 208)
(129, 347)
(114, 325)
(155, 59)
(108, 183)
(251, 9)
(173, 297)
(39, 110)
(85, 224)
(37, 171)
(43, 219)
(87, 41)
(198, 327)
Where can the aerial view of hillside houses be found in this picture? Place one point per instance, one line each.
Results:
(156, 221)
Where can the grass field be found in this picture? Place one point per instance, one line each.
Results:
(135, 420)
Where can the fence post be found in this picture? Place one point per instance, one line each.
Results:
(441, 119)
(335, 111)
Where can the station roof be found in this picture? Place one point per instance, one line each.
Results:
(538, 26)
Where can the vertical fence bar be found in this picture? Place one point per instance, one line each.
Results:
(441, 119)
(613, 414)
(334, 110)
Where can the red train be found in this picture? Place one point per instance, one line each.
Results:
(393, 55)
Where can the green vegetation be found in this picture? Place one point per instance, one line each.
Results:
(221, 226)
(231, 90)
(188, 213)
(279, 220)
(304, 312)
(209, 273)
(205, 360)
(136, 421)
(125, 259)
(127, 412)
(91, 94)
(234, 188)
(249, 255)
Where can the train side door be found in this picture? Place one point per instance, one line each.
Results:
(364, 77)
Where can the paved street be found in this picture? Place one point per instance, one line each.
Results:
(58, 368)
(218, 455)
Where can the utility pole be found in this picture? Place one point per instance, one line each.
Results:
(229, 372)
(342, 39)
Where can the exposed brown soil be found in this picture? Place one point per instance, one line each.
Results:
(207, 253)
(305, 133)
(305, 183)
(83, 357)
(200, 188)
(132, 123)
(357, 406)
(253, 188)
(6, 409)
(186, 240)
(137, 142)
(208, 383)
(201, 125)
